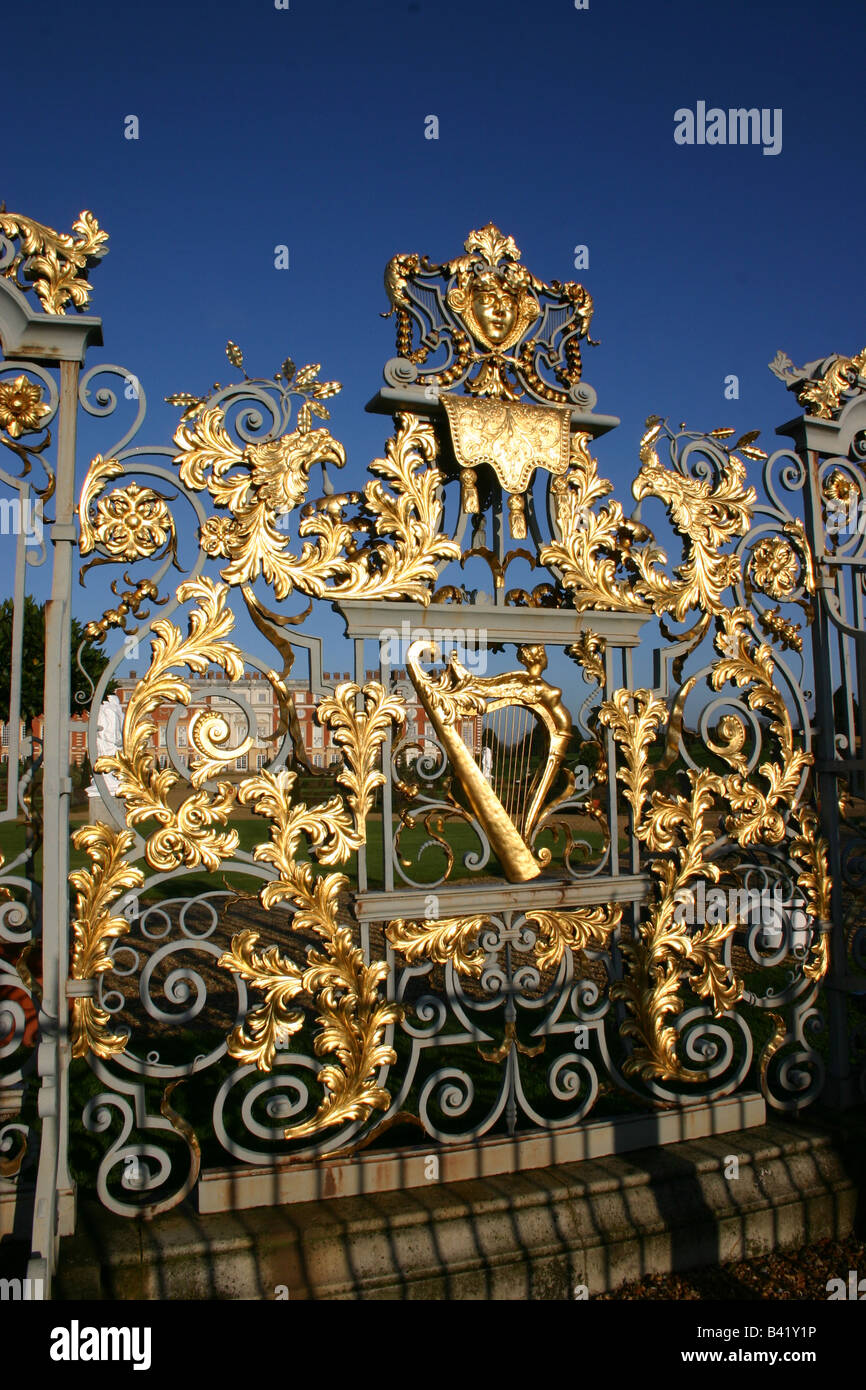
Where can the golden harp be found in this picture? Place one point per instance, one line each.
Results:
(509, 796)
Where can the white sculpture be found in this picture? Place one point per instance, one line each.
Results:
(487, 763)
(109, 738)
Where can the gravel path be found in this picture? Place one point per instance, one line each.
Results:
(795, 1274)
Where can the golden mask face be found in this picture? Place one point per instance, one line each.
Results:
(495, 311)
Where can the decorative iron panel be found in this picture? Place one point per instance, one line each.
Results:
(445, 895)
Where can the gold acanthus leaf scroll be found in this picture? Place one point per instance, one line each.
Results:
(94, 927)
(604, 557)
(100, 471)
(679, 831)
(55, 263)
(706, 517)
(823, 398)
(664, 953)
(588, 553)
(271, 480)
(634, 717)
(446, 939)
(811, 850)
(343, 989)
(185, 835)
(352, 1015)
(359, 733)
(757, 815)
(455, 939)
(573, 929)
(588, 649)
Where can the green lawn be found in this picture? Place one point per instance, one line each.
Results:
(252, 830)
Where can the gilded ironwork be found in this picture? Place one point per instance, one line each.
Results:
(774, 567)
(94, 928)
(451, 939)
(53, 264)
(351, 1013)
(493, 317)
(273, 479)
(132, 522)
(821, 387)
(21, 407)
(371, 964)
(573, 930)
(456, 694)
(609, 561)
(359, 732)
(514, 439)
(185, 834)
(665, 952)
(130, 603)
(588, 649)
(345, 989)
(456, 939)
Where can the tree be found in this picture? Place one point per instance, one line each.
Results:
(93, 660)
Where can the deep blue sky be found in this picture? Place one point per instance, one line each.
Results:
(305, 126)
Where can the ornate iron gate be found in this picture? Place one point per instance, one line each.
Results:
(39, 398)
(483, 899)
(830, 444)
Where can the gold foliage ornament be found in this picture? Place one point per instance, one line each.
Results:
(821, 387)
(592, 544)
(773, 567)
(271, 479)
(588, 649)
(455, 939)
(679, 830)
(352, 1016)
(54, 264)
(447, 939)
(608, 560)
(94, 928)
(706, 516)
(185, 835)
(344, 990)
(812, 851)
(131, 523)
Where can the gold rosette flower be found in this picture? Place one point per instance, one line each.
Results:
(773, 567)
(133, 522)
(214, 535)
(21, 407)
